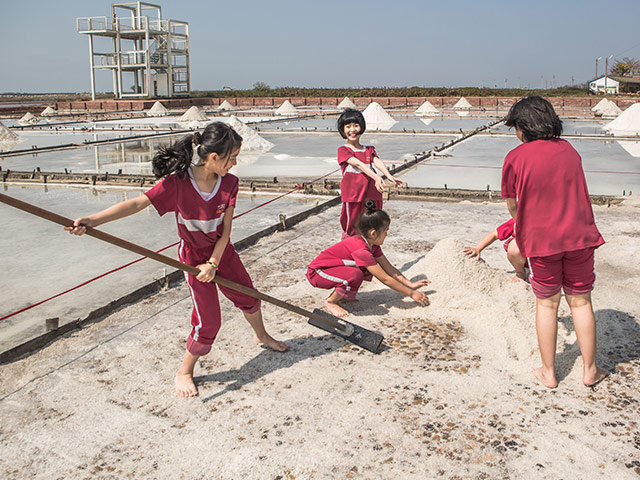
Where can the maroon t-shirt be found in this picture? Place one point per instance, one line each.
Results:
(351, 252)
(356, 186)
(554, 209)
(505, 230)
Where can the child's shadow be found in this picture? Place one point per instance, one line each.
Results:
(268, 361)
(618, 341)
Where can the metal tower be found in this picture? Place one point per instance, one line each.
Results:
(149, 56)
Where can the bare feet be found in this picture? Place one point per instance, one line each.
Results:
(184, 385)
(591, 380)
(547, 379)
(271, 342)
(335, 309)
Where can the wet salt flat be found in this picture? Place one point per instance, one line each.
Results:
(477, 162)
(41, 260)
(569, 127)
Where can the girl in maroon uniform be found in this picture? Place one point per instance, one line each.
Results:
(547, 196)
(345, 265)
(203, 197)
(360, 181)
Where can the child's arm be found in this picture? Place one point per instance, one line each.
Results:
(512, 206)
(395, 273)
(368, 172)
(488, 239)
(382, 167)
(378, 272)
(119, 210)
(208, 271)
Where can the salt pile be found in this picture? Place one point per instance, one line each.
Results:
(28, 119)
(377, 118)
(8, 139)
(225, 106)
(194, 114)
(251, 141)
(632, 148)
(462, 104)
(49, 112)
(486, 301)
(627, 123)
(286, 109)
(427, 109)
(597, 110)
(610, 110)
(346, 103)
(157, 110)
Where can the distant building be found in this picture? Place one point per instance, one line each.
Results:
(629, 83)
(598, 85)
(148, 56)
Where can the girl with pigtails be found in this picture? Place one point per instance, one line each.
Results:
(202, 194)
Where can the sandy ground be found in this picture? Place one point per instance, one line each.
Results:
(451, 397)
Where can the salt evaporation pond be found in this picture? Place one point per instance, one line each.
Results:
(477, 162)
(569, 127)
(41, 260)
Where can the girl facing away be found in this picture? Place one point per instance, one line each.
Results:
(546, 193)
(203, 197)
(346, 264)
(360, 181)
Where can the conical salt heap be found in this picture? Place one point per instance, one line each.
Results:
(157, 110)
(251, 141)
(597, 110)
(49, 112)
(346, 103)
(194, 114)
(462, 104)
(632, 148)
(225, 106)
(8, 139)
(627, 123)
(610, 110)
(286, 109)
(427, 109)
(377, 118)
(28, 119)
(486, 301)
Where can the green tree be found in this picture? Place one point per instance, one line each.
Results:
(625, 66)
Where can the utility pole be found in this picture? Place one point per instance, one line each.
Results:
(599, 58)
(606, 71)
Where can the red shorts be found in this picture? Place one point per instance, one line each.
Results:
(572, 271)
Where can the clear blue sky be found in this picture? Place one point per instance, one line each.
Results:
(346, 43)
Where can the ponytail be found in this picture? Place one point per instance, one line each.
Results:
(372, 219)
(217, 138)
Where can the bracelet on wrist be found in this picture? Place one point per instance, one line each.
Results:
(212, 264)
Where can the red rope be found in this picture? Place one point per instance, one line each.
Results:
(142, 258)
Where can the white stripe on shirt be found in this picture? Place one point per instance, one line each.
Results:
(205, 226)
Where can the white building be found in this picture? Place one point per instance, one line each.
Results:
(598, 85)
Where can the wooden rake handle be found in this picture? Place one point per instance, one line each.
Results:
(145, 252)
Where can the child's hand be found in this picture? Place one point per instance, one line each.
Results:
(207, 272)
(421, 298)
(79, 226)
(418, 284)
(397, 182)
(471, 252)
(380, 184)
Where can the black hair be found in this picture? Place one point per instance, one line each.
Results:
(372, 219)
(351, 115)
(536, 118)
(217, 137)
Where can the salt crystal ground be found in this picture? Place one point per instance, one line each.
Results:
(450, 397)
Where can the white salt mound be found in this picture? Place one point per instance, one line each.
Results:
(194, 114)
(462, 104)
(627, 123)
(610, 110)
(225, 106)
(377, 118)
(157, 110)
(28, 119)
(632, 148)
(49, 112)
(286, 109)
(491, 306)
(346, 103)
(7, 135)
(251, 140)
(599, 106)
(427, 108)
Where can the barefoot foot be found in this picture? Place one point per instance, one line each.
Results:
(184, 385)
(547, 380)
(271, 342)
(335, 309)
(591, 380)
